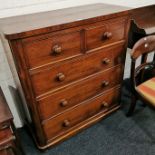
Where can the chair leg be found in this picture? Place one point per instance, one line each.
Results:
(143, 104)
(132, 106)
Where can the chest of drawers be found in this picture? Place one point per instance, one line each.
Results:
(70, 67)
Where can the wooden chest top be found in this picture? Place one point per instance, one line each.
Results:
(39, 23)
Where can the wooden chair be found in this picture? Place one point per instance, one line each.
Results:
(143, 76)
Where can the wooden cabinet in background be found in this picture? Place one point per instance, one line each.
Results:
(70, 63)
(8, 140)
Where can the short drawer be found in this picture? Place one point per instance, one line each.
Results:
(70, 71)
(106, 32)
(71, 118)
(63, 99)
(46, 49)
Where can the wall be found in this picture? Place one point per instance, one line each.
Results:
(18, 7)
(6, 79)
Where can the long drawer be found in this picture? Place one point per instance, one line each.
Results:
(63, 99)
(65, 122)
(64, 73)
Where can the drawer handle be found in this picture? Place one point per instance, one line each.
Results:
(107, 35)
(66, 123)
(105, 83)
(106, 61)
(60, 77)
(4, 127)
(105, 104)
(57, 49)
(63, 103)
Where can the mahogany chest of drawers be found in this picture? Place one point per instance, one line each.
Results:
(70, 63)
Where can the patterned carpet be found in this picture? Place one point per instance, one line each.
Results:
(115, 135)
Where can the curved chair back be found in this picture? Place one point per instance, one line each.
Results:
(142, 48)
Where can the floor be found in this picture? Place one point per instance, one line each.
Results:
(115, 135)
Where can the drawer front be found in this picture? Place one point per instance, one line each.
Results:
(5, 133)
(70, 71)
(105, 33)
(49, 49)
(8, 148)
(65, 122)
(7, 151)
(74, 94)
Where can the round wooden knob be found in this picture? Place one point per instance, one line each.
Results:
(4, 127)
(66, 123)
(60, 77)
(63, 103)
(57, 49)
(105, 104)
(107, 35)
(105, 83)
(106, 61)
